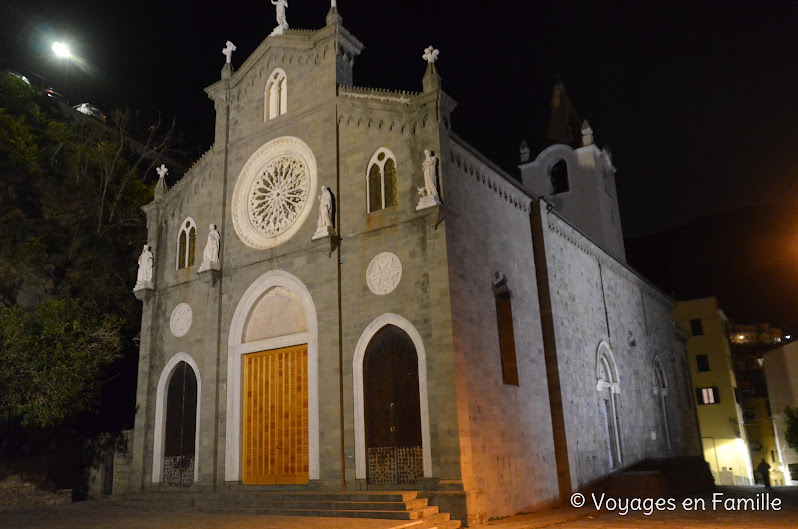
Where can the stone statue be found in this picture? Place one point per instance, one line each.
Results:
(325, 208)
(228, 50)
(281, 6)
(430, 55)
(429, 193)
(210, 255)
(144, 276)
(324, 228)
(430, 168)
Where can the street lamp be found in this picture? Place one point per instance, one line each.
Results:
(62, 51)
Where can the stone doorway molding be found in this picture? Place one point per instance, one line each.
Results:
(237, 347)
(357, 368)
(160, 415)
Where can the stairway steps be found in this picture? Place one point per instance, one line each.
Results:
(391, 505)
(268, 503)
(414, 514)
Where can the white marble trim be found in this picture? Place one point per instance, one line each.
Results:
(357, 368)
(273, 278)
(160, 416)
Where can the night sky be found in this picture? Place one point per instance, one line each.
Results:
(696, 100)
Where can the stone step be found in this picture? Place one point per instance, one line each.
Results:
(323, 504)
(413, 514)
(264, 495)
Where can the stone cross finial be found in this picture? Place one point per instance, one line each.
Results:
(228, 50)
(162, 170)
(430, 55)
(333, 4)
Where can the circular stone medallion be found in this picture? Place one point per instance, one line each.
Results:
(384, 273)
(180, 322)
(272, 197)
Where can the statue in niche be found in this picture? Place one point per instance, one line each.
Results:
(144, 275)
(210, 255)
(325, 208)
(429, 193)
(430, 168)
(324, 227)
(281, 6)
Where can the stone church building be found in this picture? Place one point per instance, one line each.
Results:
(343, 294)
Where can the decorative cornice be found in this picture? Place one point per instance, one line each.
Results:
(192, 180)
(378, 94)
(468, 164)
(401, 126)
(566, 231)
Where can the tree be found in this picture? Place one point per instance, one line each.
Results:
(71, 226)
(791, 423)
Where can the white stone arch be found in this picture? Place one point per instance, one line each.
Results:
(357, 380)
(160, 415)
(236, 348)
(275, 95)
(387, 154)
(606, 369)
(608, 387)
(186, 227)
(661, 392)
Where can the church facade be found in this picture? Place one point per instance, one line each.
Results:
(342, 294)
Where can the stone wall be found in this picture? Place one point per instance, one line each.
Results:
(596, 299)
(505, 430)
(17, 493)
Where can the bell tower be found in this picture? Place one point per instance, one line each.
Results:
(575, 176)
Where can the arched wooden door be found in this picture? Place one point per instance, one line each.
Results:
(181, 427)
(392, 409)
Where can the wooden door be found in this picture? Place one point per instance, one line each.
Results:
(275, 418)
(181, 427)
(392, 409)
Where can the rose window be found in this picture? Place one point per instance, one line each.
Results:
(278, 195)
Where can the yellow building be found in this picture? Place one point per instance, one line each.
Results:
(715, 391)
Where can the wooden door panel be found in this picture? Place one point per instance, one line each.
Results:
(275, 400)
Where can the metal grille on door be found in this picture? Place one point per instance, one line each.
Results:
(181, 427)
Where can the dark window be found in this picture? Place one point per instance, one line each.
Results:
(702, 361)
(696, 328)
(793, 468)
(707, 395)
(504, 318)
(558, 175)
(773, 456)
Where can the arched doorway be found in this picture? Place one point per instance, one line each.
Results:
(392, 408)
(177, 412)
(272, 433)
(181, 427)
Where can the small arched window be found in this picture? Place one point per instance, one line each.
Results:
(275, 96)
(558, 177)
(186, 243)
(381, 180)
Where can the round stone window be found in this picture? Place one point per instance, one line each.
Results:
(272, 197)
